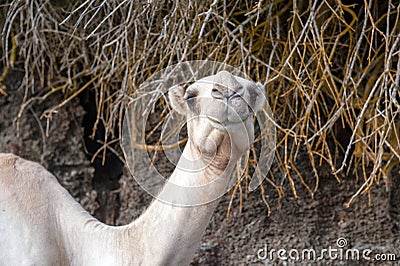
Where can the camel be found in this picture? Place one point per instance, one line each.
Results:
(41, 224)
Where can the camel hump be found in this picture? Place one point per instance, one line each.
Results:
(8, 160)
(15, 170)
(18, 175)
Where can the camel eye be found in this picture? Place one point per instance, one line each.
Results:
(190, 94)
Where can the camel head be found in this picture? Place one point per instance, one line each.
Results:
(219, 110)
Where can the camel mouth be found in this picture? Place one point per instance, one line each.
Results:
(226, 125)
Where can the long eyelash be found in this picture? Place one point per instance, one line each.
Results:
(190, 96)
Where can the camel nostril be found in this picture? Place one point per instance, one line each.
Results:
(239, 91)
(215, 93)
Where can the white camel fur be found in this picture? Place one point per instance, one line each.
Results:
(41, 224)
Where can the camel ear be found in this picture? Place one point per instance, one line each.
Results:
(257, 92)
(176, 99)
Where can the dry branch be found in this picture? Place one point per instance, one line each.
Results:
(326, 65)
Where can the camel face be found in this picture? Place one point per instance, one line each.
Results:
(219, 111)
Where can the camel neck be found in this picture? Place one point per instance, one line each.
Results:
(175, 231)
